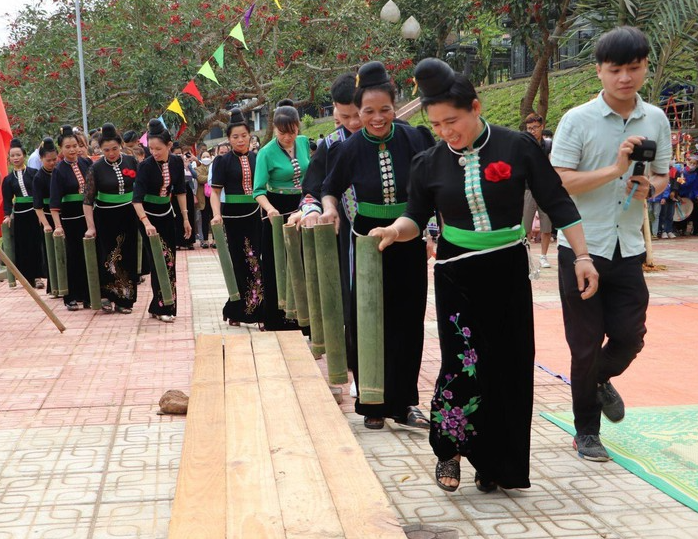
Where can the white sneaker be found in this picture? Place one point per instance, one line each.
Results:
(544, 261)
(671, 235)
(352, 390)
(665, 236)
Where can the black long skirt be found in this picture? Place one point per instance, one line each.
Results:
(243, 230)
(117, 242)
(483, 397)
(165, 225)
(274, 318)
(74, 226)
(28, 238)
(404, 304)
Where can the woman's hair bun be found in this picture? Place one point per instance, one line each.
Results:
(108, 131)
(67, 131)
(155, 127)
(236, 116)
(286, 102)
(16, 143)
(434, 77)
(48, 145)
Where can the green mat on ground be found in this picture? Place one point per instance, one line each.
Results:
(659, 445)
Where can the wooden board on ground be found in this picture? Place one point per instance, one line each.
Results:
(199, 507)
(253, 509)
(361, 502)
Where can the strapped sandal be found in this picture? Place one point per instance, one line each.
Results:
(413, 418)
(374, 423)
(447, 468)
(484, 485)
(122, 310)
(73, 306)
(107, 307)
(234, 323)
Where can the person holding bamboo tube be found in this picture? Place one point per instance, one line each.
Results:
(278, 175)
(111, 219)
(160, 177)
(41, 193)
(67, 194)
(18, 204)
(375, 162)
(240, 213)
(475, 179)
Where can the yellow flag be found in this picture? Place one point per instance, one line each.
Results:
(177, 108)
(277, 3)
(237, 34)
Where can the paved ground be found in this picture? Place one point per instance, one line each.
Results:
(83, 454)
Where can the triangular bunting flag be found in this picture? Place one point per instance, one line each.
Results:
(192, 90)
(177, 108)
(248, 14)
(277, 3)
(207, 72)
(218, 55)
(181, 130)
(237, 34)
(162, 121)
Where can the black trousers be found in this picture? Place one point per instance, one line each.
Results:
(616, 314)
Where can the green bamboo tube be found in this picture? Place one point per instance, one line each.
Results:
(226, 261)
(277, 232)
(291, 312)
(331, 302)
(61, 265)
(51, 262)
(9, 247)
(139, 253)
(369, 318)
(161, 269)
(292, 241)
(92, 266)
(317, 335)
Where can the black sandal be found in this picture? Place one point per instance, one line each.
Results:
(484, 485)
(447, 468)
(374, 423)
(413, 418)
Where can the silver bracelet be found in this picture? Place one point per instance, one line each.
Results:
(583, 258)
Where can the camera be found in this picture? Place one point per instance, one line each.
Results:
(188, 155)
(644, 152)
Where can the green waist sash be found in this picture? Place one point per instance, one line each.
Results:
(75, 197)
(24, 200)
(114, 199)
(153, 199)
(239, 199)
(284, 190)
(479, 241)
(381, 211)
(47, 201)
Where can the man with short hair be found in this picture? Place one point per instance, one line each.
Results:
(591, 152)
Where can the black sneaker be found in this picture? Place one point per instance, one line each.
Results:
(589, 447)
(611, 402)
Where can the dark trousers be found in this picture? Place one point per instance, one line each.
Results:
(616, 314)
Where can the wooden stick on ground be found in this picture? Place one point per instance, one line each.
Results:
(29, 288)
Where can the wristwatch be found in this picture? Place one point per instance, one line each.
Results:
(651, 192)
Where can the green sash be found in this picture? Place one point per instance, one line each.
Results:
(479, 241)
(24, 200)
(153, 199)
(239, 199)
(381, 211)
(114, 199)
(75, 197)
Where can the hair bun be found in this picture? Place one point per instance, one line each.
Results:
(372, 74)
(285, 103)
(67, 131)
(236, 116)
(434, 77)
(108, 131)
(48, 145)
(155, 127)
(16, 143)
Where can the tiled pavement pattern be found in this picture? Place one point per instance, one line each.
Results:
(83, 454)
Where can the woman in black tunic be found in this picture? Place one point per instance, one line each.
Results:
(375, 163)
(112, 220)
(234, 172)
(20, 216)
(67, 194)
(41, 191)
(475, 179)
(161, 177)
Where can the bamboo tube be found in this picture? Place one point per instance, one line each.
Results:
(61, 265)
(291, 313)
(51, 262)
(92, 266)
(292, 241)
(317, 335)
(277, 232)
(12, 269)
(369, 317)
(161, 269)
(226, 261)
(9, 247)
(139, 252)
(331, 302)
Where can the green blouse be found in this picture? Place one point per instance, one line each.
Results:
(274, 171)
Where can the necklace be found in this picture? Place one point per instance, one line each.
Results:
(116, 163)
(463, 153)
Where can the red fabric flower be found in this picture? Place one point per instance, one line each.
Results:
(129, 172)
(498, 171)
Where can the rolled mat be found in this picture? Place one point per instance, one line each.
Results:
(226, 261)
(291, 312)
(369, 318)
(317, 335)
(277, 233)
(161, 269)
(51, 262)
(92, 266)
(9, 247)
(292, 241)
(61, 265)
(139, 253)
(331, 302)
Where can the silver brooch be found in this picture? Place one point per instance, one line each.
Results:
(462, 160)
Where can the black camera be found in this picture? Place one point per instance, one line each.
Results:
(644, 152)
(188, 154)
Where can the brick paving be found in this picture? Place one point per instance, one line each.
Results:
(83, 454)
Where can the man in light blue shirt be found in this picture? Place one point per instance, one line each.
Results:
(591, 152)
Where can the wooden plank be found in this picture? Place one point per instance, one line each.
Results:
(253, 508)
(306, 504)
(198, 511)
(361, 502)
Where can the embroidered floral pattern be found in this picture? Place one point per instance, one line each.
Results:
(255, 290)
(121, 286)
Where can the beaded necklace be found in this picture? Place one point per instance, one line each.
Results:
(385, 163)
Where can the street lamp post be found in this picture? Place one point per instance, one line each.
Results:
(81, 63)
